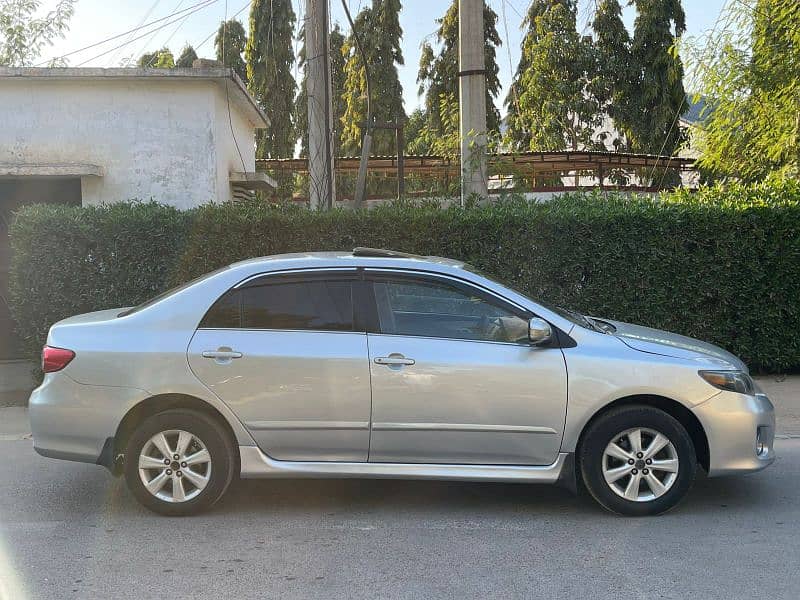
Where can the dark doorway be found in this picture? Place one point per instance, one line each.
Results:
(15, 193)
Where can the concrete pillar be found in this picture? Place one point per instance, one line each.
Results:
(318, 88)
(472, 99)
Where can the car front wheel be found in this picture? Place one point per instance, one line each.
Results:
(637, 460)
(179, 462)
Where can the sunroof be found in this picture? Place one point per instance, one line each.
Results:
(378, 252)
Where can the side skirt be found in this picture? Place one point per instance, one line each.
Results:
(257, 465)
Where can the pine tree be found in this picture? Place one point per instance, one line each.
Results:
(438, 74)
(551, 107)
(337, 89)
(270, 56)
(658, 97)
(613, 84)
(187, 57)
(379, 29)
(232, 38)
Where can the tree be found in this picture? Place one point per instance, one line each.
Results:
(438, 75)
(613, 82)
(551, 107)
(658, 97)
(270, 56)
(417, 142)
(232, 38)
(23, 36)
(380, 31)
(187, 57)
(748, 74)
(337, 89)
(160, 59)
(515, 135)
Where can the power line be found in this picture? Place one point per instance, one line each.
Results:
(139, 24)
(152, 37)
(167, 24)
(124, 33)
(514, 8)
(210, 35)
(227, 92)
(172, 35)
(678, 112)
(508, 50)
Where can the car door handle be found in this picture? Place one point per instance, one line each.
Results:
(394, 360)
(222, 354)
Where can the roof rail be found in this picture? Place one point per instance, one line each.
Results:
(381, 253)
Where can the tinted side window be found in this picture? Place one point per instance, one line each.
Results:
(225, 313)
(433, 309)
(319, 305)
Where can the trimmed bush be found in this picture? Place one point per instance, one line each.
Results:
(722, 265)
(71, 260)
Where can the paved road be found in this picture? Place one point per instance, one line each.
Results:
(71, 531)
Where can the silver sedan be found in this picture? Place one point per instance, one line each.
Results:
(375, 363)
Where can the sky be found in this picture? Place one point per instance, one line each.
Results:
(96, 20)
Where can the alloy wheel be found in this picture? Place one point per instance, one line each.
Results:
(175, 466)
(640, 464)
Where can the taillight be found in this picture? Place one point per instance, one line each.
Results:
(55, 359)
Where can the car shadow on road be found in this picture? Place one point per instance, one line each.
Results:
(435, 497)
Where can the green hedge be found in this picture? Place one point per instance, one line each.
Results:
(70, 260)
(722, 265)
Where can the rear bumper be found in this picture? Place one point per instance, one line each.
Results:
(72, 421)
(733, 424)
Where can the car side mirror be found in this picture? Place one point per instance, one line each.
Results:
(539, 331)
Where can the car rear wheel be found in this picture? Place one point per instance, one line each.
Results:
(179, 462)
(637, 461)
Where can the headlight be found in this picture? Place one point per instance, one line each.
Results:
(731, 381)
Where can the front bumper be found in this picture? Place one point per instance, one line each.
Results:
(72, 421)
(734, 425)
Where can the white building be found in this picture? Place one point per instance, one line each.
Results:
(181, 137)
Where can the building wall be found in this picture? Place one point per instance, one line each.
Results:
(156, 138)
(228, 158)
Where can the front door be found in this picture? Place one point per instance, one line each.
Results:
(284, 354)
(454, 379)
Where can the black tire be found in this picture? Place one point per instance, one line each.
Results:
(613, 423)
(216, 440)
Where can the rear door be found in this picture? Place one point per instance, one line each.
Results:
(454, 379)
(286, 354)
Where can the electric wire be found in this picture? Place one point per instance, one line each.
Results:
(361, 183)
(139, 24)
(227, 92)
(167, 24)
(129, 31)
(147, 45)
(679, 111)
(210, 35)
(164, 44)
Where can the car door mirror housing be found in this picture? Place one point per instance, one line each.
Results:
(539, 331)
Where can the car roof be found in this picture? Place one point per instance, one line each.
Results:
(357, 257)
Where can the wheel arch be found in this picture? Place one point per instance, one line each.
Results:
(673, 408)
(149, 407)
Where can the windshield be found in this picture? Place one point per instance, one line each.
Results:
(169, 292)
(571, 315)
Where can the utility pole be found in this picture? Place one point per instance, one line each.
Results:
(321, 184)
(472, 99)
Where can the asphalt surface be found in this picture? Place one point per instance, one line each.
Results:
(69, 530)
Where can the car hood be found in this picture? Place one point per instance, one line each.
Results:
(655, 341)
